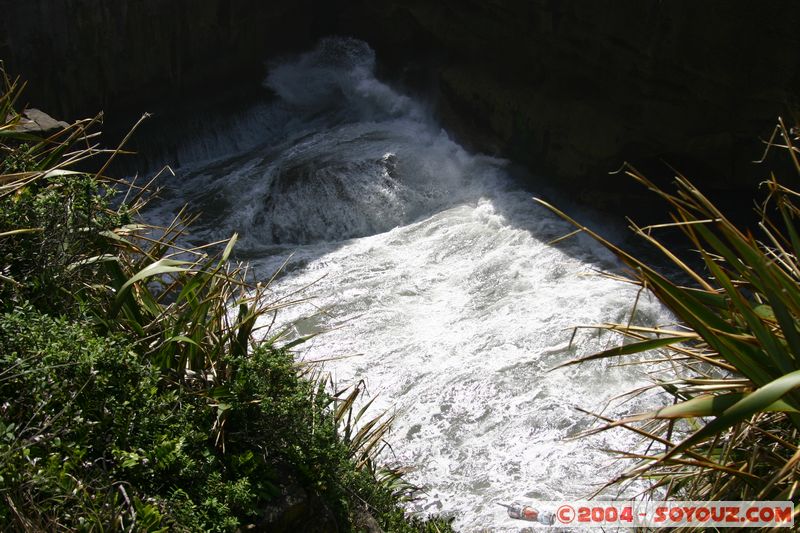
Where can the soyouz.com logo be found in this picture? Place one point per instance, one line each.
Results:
(656, 514)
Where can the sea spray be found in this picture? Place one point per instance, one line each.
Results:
(431, 267)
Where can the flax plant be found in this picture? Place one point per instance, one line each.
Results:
(731, 429)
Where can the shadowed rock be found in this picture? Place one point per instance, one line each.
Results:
(37, 121)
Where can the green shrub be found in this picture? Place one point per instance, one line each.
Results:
(91, 435)
(89, 419)
(60, 221)
(71, 398)
(136, 394)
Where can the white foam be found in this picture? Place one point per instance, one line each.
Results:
(435, 269)
(458, 317)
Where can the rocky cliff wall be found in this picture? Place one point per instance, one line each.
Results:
(81, 56)
(573, 88)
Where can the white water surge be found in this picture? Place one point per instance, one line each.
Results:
(436, 268)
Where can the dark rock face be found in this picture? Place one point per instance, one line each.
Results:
(570, 88)
(573, 88)
(81, 56)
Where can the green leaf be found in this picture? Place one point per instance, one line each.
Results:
(160, 267)
(91, 260)
(181, 338)
(714, 405)
(229, 248)
(20, 231)
(298, 341)
(765, 312)
(61, 172)
(626, 349)
(755, 402)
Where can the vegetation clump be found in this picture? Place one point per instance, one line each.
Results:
(136, 389)
(730, 431)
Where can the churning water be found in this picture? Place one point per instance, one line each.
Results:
(432, 269)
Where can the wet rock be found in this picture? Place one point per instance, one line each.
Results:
(297, 509)
(364, 521)
(37, 121)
